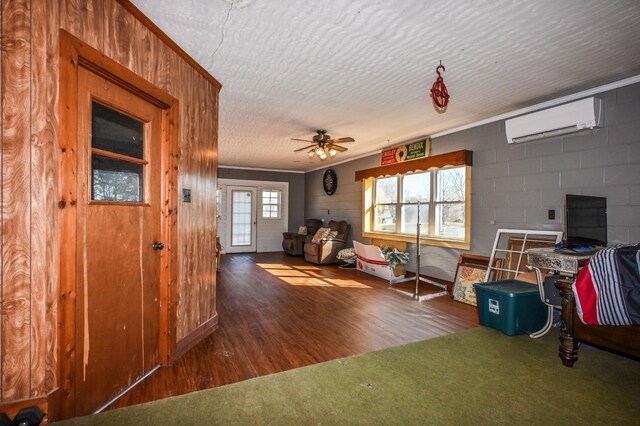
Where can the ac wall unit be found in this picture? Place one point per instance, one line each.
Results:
(560, 120)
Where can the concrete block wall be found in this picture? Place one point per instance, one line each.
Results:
(514, 186)
(346, 202)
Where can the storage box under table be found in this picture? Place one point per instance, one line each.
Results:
(511, 306)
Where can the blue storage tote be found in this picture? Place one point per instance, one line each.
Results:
(511, 306)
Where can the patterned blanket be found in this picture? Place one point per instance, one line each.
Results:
(607, 290)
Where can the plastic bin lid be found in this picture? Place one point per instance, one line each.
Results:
(512, 287)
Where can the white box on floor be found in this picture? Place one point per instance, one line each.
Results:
(371, 261)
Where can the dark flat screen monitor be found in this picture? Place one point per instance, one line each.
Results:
(586, 220)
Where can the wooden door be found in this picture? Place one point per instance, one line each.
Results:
(118, 240)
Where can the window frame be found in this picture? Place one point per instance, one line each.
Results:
(143, 162)
(430, 238)
(278, 204)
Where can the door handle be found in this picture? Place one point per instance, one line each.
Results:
(157, 246)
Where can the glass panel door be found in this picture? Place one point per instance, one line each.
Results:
(241, 224)
(243, 219)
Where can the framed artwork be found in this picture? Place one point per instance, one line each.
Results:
(471, 269)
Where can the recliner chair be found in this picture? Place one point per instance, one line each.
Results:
(293, 243)
(327, 249)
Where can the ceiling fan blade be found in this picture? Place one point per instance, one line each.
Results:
(306, 147)
(339, 148)
(343, 140)
(301, 140)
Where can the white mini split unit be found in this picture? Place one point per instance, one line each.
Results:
(561, 120)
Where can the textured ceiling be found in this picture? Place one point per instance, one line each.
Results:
(364, 68)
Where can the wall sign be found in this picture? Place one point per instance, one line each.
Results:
(410, 151)
(330, 181)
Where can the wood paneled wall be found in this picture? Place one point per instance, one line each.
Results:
(29, 121)
(196, 218)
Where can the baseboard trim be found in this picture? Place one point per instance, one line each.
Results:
(196, 336)
(127, 389)
(11, 408)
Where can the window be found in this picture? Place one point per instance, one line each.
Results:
(391, 206)
(117, 156)
(450, 203)
(271, 204)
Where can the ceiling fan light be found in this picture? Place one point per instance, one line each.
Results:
(323, 146)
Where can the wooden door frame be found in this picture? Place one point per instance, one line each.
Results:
(73, 54)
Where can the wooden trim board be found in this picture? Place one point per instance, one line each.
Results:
(12, 408)
(196, 336)
(455, 158)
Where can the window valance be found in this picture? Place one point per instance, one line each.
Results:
(456, 158)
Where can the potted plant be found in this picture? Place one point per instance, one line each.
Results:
(396, 258)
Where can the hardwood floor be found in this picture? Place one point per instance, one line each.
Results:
(278, 312)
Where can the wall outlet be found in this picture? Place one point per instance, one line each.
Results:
(551, 214)
(186, 195)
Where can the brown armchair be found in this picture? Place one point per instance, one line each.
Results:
(327, 249)
(293, 243)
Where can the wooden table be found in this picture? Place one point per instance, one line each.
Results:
(624, 339)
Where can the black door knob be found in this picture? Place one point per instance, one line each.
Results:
(157, 246)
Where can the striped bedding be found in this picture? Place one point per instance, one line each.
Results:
(607, 289)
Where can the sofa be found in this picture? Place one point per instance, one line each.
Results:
(326, 249)
(293, 243)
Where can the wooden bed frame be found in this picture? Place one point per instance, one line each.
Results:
(622, 339)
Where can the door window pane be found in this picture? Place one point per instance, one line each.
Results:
(115, 180)
(116, 132)
(241, 219)
(117, 163)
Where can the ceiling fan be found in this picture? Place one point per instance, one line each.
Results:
(323, 145)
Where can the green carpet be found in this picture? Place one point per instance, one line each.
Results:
(479, 376)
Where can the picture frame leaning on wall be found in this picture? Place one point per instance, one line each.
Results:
(471, 269)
